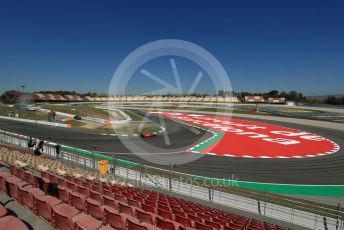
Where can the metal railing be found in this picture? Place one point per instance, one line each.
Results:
(265, 209)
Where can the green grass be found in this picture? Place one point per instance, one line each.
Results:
(24, 114)
(196, 109)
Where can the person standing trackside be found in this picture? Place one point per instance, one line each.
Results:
(39, 147)
(57, 150)
(29, 143)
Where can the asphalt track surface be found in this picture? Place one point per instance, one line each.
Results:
(323, 170)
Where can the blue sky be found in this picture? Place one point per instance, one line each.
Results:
(263, 45)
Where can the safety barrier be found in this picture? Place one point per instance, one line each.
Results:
(122, 168)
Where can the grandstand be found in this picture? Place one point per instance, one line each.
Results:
(278, 100)
(85, 200)
(45, 97)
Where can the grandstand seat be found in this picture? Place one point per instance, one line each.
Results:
(143, 216)
(115, 219)
(86, 222)
(164, 214)
(131, 225)
(64, 193)
(83, 190)
(77, 200)
(11, 222)
(94, 208)
(166, 224)
(121, 198)
(106, 227)
(3, 211)
(97, 188)
(177, 212)
(31, 178)
(72, 186)
(107, 192)
(28, 196)
(3, 176)
(148, 208)
(123, 208)
(182, 220)
(12, 186)
(133, 203)
(195, 218)
(213, 224)
(21, 174)
(95, 195)
(109, 201)
(62, 182)
(201, 226)
(63, 216)
(43, 206)
(13, 170)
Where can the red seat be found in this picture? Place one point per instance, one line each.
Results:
(21, 174)
(107, 192)
(44, 204)
(109, 201)
(200, 226)
(94, 208)
(21, 187)
(72, 186)
(95, 196)
(31, 178)
(134, 203)
(120, 198)
(3, 176)
(135, 226)
(114, 219)
(77, 200)
(182, 220)
(83, 190)
(64, 193)
(13, 170)
(106, 227)
(62, 182)
(86, 222)
(195, 218)
(12, 188)
(148, 208)
(10, 222)
(213, 224)
(165, 224)
(123, 208)
(3, 211)
(164, 214)
(164, 207)
(144, 217)
(63, 216)
(28, 196)
(177, 212)
(97, 188)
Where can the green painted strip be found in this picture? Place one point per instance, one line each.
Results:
(209, 143)
(290, 189)
(100, 156)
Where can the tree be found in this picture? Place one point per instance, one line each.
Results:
(273, 93)
(9, 97)
(221, 93)
(293, 95)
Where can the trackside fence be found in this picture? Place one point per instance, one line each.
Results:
(330, 219)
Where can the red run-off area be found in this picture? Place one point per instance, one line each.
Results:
(244, 138)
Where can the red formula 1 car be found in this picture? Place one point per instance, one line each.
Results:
(148, 134)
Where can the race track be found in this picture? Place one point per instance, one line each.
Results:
(323, 170)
